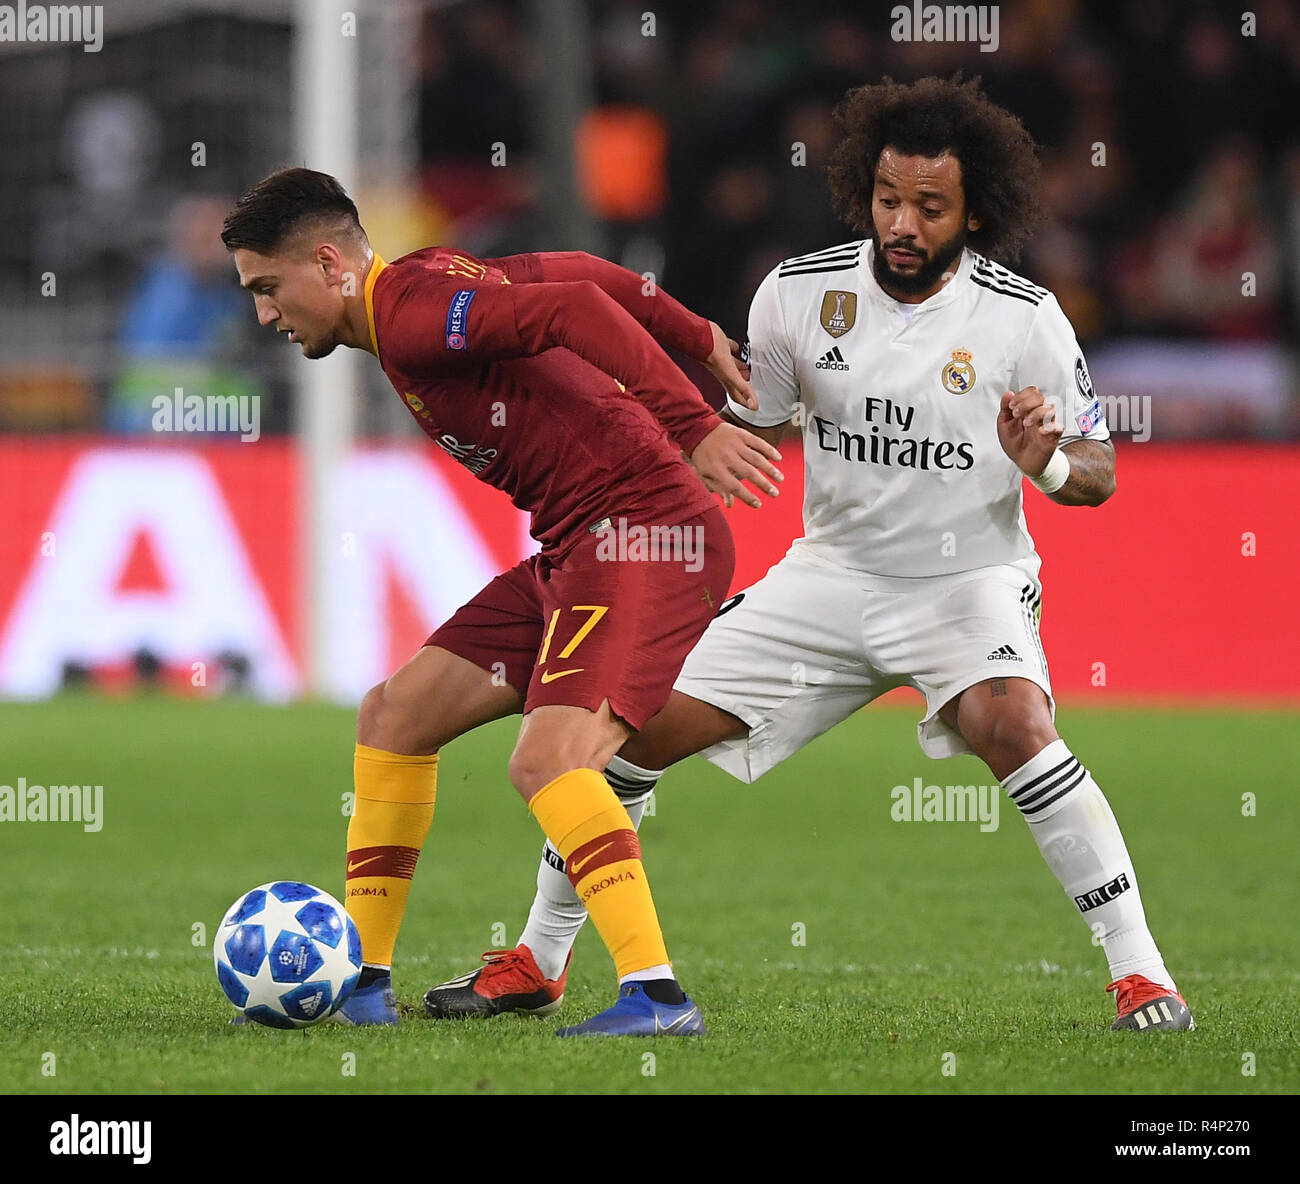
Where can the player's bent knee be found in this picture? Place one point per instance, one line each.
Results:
(530, 769)
(534, 764)
(386, 722)
(1018, 734)
(368, 716)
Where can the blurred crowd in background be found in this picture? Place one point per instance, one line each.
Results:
(701, 158)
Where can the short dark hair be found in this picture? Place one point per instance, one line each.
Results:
(999, 161)
(286, 203)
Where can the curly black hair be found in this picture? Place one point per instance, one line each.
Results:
(999, 160)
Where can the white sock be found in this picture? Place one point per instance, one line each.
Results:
(556, 915)
(663, 970)
(1073, 825)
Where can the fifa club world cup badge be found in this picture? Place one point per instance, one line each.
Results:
(839, 312)
(958, 376)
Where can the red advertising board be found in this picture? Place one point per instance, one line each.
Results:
(1177, 588)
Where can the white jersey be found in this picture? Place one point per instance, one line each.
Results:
(904, 474)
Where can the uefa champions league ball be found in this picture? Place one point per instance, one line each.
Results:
(287, 954)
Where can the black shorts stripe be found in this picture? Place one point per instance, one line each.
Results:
(1031, 624)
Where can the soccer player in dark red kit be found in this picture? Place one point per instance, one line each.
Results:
(543, 375)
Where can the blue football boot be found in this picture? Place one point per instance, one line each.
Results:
(636, 1014)
(372, 1004)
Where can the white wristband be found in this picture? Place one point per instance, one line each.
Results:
(1055, 475)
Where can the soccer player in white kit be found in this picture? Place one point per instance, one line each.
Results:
(928, 381)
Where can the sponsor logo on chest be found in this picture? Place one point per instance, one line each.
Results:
(475, 457)
(889, 439)
(832, 359)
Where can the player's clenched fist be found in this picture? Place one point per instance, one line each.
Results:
(1029, 429)
(728, 456)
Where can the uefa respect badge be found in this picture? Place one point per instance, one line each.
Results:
(457, 316)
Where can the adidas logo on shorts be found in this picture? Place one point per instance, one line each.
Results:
(832, 359)
(1004, 653)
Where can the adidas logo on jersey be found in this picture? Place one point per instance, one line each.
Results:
(832, 359)
(1004, 653)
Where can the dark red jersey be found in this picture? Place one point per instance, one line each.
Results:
(542, 376)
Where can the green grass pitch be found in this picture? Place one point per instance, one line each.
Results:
(919, 940)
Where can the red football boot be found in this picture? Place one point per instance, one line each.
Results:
(1143, 1005)
(510, 981)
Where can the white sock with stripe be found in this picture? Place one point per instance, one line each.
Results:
(1073, 825)
(557, 915)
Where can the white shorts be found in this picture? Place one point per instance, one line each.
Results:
(811, 642)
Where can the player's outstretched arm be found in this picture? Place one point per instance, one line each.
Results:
(668, 321)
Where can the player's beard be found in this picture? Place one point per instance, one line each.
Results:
(924, 277)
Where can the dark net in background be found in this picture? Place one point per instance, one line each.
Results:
(114, 284)
(702, 159)
(688, 155)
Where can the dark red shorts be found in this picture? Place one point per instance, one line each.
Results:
(614, 620)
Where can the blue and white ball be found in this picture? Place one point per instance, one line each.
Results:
(287, 954)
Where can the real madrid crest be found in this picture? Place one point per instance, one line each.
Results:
(958, 376)
(839, 312)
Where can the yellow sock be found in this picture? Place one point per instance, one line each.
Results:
(589, 827)
(391, 817)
